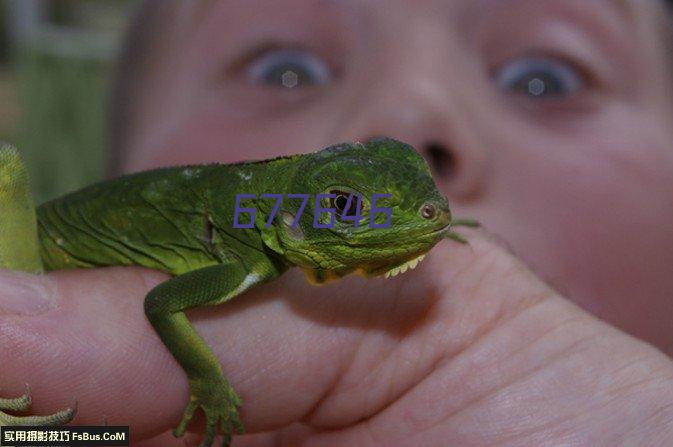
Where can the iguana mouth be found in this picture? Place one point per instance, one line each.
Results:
(412, 263)
(444, 229)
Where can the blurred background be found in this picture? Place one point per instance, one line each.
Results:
(56, 61)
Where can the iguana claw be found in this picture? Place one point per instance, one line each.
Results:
(22, 403)
(219, 402)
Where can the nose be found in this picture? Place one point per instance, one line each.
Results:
(424, 109)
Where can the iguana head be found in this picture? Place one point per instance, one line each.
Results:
(419, 213)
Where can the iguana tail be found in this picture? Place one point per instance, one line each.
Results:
(19, 248)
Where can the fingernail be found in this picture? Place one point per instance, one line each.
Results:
(25, 294)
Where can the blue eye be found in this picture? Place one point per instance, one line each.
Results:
(289, 68)
(540, 78)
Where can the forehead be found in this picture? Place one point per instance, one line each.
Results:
(190, 15)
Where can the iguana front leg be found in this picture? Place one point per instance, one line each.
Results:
(164, 306)
(19, 250)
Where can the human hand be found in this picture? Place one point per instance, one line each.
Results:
(471, 348)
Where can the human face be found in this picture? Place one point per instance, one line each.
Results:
(548, 121)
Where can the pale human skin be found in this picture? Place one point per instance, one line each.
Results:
(472, 348)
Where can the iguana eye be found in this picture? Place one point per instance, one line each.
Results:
(340, 201)
(428, 211)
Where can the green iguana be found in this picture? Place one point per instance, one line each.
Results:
(181, 220)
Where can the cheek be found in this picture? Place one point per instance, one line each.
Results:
(591, 210)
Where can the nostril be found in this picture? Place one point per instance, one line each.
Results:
(442, 159)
